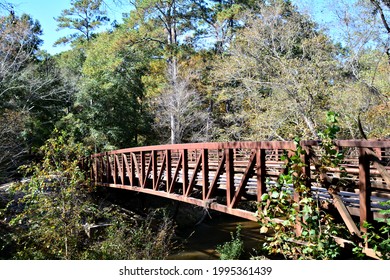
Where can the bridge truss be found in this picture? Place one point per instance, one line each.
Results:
(232, 177)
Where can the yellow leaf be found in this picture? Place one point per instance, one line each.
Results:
(263, 229)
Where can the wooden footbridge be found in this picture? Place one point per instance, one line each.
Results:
(232, 177)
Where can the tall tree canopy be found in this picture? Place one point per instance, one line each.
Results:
(85, 16)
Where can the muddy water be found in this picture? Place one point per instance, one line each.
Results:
(198, 240)
(201, 241)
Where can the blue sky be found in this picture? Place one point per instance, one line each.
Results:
(46, 10)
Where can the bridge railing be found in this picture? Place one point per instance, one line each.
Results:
(231, 177)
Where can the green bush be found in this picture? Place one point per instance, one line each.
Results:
(233, 249)
(54, 215)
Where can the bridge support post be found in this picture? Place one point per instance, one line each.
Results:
(364, 189)
(229, 176)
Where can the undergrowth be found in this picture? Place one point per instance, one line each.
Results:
(232, 249)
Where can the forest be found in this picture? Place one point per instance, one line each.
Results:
(180, 71)
(191, 71)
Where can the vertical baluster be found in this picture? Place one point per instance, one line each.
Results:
(95, 163)
(132, 169)
(115, 169)
(168, 173)
(108, 167)
(185, 170)
(123, 173)
(154, 168)
(306, 169)
(142, 171)
(101, 169)
(205, 172)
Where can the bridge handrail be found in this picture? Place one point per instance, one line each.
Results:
(250, 145)
(209, 145)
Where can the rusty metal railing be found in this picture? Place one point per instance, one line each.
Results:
(231, 177)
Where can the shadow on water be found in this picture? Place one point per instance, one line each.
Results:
(202, 240)
(197, 240)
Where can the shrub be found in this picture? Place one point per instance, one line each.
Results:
(233, 249)
(54, 215)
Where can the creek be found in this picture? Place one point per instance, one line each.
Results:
(198, 233)
(201, 241)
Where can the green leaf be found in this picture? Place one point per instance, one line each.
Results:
(275, 194)
(265, 197)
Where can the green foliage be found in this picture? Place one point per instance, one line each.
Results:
(84, 16)
(113, 98)
(50, 207)
(329, 155)
(301, 228)
(233, 249)
(378, 235)
(7, 242)
(280, 213)
(54, 216)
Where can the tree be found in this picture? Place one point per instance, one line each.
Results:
(162, 22)
(52, 202)
(85, 16)
(184, 103)
(19, 42)
(218, 20)
(12, 147)
(279, 74)
(30, 89)
(362, 29)
(110, 106)
(379, 9)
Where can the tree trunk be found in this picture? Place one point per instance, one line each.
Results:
(173, 130)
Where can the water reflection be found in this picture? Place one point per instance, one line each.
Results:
(202, 240)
